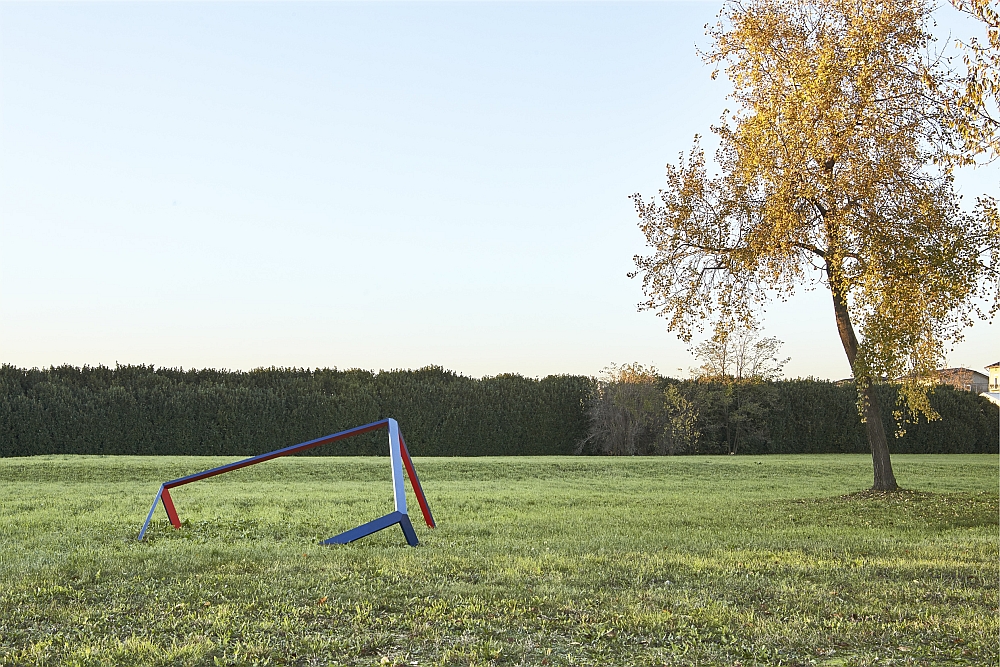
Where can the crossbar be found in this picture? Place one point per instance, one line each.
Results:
(260, 458)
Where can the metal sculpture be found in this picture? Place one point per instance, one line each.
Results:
(398, 455)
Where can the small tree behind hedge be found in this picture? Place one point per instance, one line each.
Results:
(734, 388)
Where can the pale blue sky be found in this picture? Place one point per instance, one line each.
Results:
(355, 185)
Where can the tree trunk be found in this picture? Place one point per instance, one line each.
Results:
(884, 479)
(729, 431)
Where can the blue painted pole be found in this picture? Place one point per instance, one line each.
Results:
(149, 516)
(376, 525)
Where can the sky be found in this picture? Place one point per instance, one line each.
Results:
(374, 185)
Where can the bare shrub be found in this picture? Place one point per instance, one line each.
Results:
(632, 413)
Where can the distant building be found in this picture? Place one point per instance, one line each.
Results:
(993, 395)
(965, 379)
(994, 370)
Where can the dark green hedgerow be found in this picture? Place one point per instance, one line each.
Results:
(142, 410)
(814, 416)
(163, 411)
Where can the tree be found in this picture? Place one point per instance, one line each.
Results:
(832, 173)
(680, 432)
(734, 389)
(739, 354)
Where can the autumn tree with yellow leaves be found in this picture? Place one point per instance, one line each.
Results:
(833, 171)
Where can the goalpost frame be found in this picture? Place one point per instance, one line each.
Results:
(398, 454)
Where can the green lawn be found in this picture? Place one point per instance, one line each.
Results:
(536, 561)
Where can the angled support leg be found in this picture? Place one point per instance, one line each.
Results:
(168, 505)
(378, 524)
(415, 484)
(401, 464)
(408, 532)
(149, 517)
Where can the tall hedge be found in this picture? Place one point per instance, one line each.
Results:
(813, 416)
(146, 410)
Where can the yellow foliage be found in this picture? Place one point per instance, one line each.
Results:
(976, 97)
(835, 172)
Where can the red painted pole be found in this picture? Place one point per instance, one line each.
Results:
(415, 484)
(168, 504)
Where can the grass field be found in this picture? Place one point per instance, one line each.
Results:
(536, 561)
